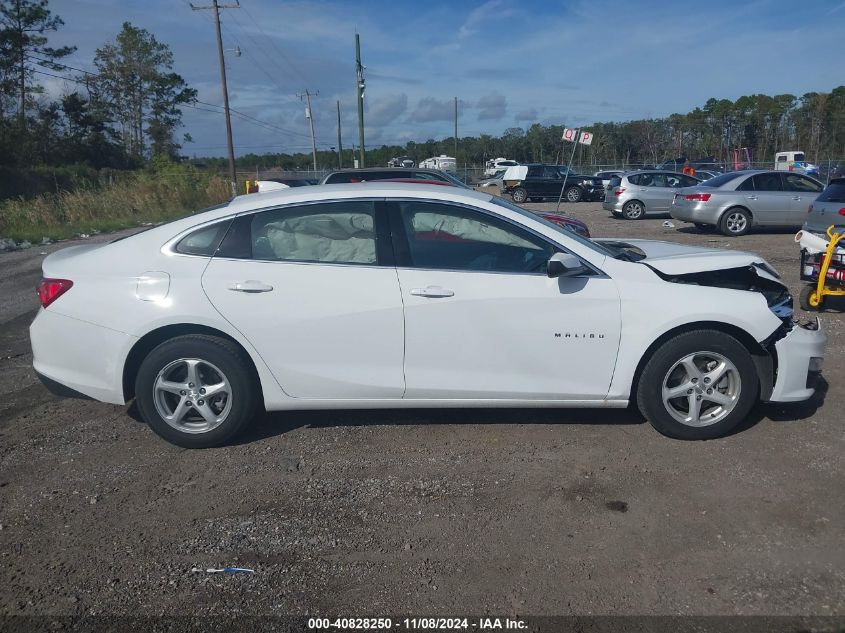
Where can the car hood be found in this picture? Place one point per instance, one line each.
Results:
(680, 259)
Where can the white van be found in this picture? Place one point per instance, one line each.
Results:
(794, 161)
(495, 165)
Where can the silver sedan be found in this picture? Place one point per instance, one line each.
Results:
(640, 193)
(737, 201)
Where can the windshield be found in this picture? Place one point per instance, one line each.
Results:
(571, 234)
(718, 181)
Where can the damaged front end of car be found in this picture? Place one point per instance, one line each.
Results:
(789, 360)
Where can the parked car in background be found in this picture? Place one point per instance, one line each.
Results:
(543, 182)
(737, 201)
(388, 295)
(828, 209)
(390, 173)
(607, 175)
(496, 165)
(495, 181)
(401, 161)
(704, 174)
(635, 195)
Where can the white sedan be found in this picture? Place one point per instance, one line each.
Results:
(404, 295)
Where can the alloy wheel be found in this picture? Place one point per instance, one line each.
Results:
(736, 222)
(701, 389)
(192, 395)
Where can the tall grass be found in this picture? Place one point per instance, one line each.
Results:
(168, 192)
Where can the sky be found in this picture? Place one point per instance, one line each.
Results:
(509, 63)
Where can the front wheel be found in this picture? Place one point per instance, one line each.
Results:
(698, 385)
(519, 195)
(573, 194)
(196, 391)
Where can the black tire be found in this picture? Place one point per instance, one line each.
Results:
(217, 358)
(657, 372)
(633, 210)
(573, 194)
(704, 228)
(519, 195)
(804, 299)
(735, 221)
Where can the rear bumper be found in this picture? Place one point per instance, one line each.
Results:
(74, 357)
(799, 356)
(694, 213)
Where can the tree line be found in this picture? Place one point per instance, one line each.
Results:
(764, 124)
(121, 114)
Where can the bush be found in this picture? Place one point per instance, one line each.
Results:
(166, 192)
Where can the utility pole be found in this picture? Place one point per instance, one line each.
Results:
(310, 116)
(359, 74)
(339, 142)
(456, 129)
(215, 7)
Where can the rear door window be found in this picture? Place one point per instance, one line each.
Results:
(767, 182)
(652, 180)
(331, 233)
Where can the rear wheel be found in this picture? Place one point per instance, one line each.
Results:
(196, 391)
(698, 385)
(735, 222)
(573, 194)
(519, 195)
(633, 210)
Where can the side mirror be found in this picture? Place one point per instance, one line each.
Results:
(564, 265)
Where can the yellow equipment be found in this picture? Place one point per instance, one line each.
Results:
(812, 296)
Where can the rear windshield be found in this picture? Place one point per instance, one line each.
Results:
(835, 192)
(718, 181)
(615, 181)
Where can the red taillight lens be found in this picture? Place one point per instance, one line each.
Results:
(841, 211)
(619, 191)
(697, 197)
(51, 289)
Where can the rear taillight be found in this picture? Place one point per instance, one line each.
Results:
(697, 197)
(51, 289)
(841, 211)
(619, 191)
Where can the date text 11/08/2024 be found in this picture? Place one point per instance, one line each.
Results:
(486, 623)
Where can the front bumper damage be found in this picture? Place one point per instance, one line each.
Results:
(798, 357)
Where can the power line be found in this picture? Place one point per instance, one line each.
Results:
(273, 44)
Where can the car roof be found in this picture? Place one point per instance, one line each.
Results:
(376, 188)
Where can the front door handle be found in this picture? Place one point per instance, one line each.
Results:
(751, 197)
(251, 286)
(434, 292)
(796, 197)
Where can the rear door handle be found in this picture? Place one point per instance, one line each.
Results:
(751, 197)
(250, 286)
(433, 292)
(796, 197)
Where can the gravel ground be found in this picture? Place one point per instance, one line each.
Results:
(420, 512)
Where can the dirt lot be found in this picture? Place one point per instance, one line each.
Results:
(420, 512)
